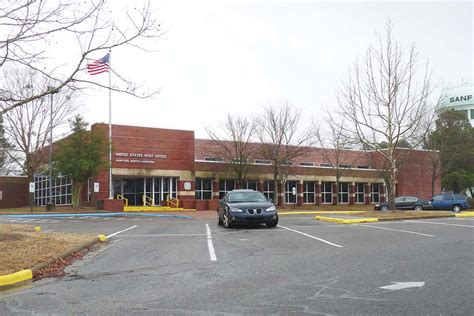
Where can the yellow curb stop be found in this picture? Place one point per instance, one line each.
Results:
(465, 214)
(102, 237)
(16, 277)
(346, 221)
(38, 228)
(320, 212)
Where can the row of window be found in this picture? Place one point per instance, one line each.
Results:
(60, 193)
(289, 163)
(466, 113)
(204, 191)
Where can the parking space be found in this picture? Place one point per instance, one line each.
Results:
(301, 267)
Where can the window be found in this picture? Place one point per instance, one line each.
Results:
(472, 114)
(263, 162)
(326, 192)
(163, 187)
(225, 186)
(345, 166)
(290, 198)
(360, 193)
(375, 192)
(363, 167)
(203, 189)
(308, 192)
(465, 112)
(250, 185)
(61, 190)
(306, 164)
(215, 159)
(325, 165)
(269, 189)
(343, 192)
(287, 163)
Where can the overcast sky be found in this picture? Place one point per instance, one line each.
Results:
(234, 57)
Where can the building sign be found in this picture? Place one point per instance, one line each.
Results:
(96, 187)
(141, 158)
(32, 187)
(460, 98)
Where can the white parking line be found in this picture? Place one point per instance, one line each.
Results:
(164, 235)
(396, 230)
(438, 223)
(116, 233)
(212, 253)
(310, 236)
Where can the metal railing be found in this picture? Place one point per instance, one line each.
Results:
(147, 201)
(121, 197)
(172, 202)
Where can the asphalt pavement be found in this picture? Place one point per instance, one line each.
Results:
(180, 266)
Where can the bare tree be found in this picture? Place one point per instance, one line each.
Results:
(30, 27)
(282, 139)
(233, 142)
(383, 101)
(28, 127)
(334, 144)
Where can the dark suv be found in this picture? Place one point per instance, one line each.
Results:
(450, 201)
(246, 206)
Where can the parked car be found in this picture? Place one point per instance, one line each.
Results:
(246, 206)
(450, 201)
(405, 203)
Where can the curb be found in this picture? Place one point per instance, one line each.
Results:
(320, 212)
(465, 214)
(346, 221)
(28, 274)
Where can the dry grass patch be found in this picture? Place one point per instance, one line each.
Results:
(42, 210)
(21, 247)
(404, 214)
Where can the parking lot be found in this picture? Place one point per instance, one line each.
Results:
(192, 266)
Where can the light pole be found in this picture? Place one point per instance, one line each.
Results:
(51, 148)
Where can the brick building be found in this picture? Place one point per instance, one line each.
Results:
(157, 163)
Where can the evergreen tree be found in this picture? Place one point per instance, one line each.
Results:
(454, 138)
(81, 155)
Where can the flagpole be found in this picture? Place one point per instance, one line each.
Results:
(110, 126)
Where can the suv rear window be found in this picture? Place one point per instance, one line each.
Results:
(459, 197)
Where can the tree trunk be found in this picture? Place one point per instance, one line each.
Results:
(391, 187)
(275, 188)
(76, 193)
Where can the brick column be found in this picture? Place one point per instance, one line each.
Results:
(352, 193)
(215, 189)
(317, 191)
(299, 193)
(383, 196)
(260, 185)
(281, 193)
(367, 193)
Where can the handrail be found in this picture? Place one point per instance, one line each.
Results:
(147, 201)
(172, 202)
(121, 197)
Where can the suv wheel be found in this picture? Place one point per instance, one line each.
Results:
(456, 208)
(418, 208)
(226, 222)
(219, 221)
(272, 223)
(384, 208)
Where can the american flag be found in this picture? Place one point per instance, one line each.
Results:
(99, 66)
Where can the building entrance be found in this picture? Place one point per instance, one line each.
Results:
(146, 191)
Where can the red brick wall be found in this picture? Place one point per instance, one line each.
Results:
(14, 192)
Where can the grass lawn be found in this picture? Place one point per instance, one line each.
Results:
(42, 210)
(21, 247)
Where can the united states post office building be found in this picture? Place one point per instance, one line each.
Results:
(150, 165)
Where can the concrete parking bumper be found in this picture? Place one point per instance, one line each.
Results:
(346, 219)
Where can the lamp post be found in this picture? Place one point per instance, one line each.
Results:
(51, 148)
